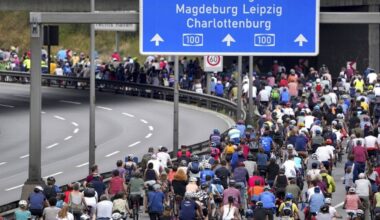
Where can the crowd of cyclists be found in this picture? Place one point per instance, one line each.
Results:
(282, 165)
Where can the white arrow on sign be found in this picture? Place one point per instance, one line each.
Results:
(157, 39)
(300, 39)
(228, 39)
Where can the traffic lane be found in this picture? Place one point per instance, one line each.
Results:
(54, 170)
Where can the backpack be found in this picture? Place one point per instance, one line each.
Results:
(287, 210)
(194, 168)
(230, 149)
(145, 160)
(128, 172)
(49, 192)
(275, 95)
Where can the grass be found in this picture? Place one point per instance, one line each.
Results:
(15, 32)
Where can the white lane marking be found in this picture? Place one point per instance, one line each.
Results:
(70, 102)
(143, 121)
(75, 124)
(43, 112)
(2, 163)
(82, 165)
(59, 117)
(127, 114)
(339, 205)
(15, 187)
(68, 138)
(54, 174)
(7, 106)
(25, 156)
(76, 130)
(150, 128)
(104, 108)
(148, 135)
(113, 153)
(51, 146)
(134, 144)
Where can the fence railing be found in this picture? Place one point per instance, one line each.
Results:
(214, 103)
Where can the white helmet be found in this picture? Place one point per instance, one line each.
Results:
(23, 203)
(116, 216)
(207, 166)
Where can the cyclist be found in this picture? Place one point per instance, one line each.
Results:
(194, 167)
(352, 201)
(37, 201)
(135, 191)
(189, 209)
(288, 208)
(206, 172)
(204, 199)
(22, 213)
(269, 202)
(229, 211)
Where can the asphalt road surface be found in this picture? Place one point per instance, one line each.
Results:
(124, 125)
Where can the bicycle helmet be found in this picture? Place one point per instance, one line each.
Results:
(204, 186)
(51, 178)
(249, 213)
(207, 166)
(213, 144)
(216, 181)
(250, 157)
(39, 188)
(328, 201)
(23, 203)
(329, 141)
(314, 156)
(183, 163)
(259, 203)
(194, 157)
(289, 196)
(232, 183)
(130, 157)
(86, 217)
(116, 216)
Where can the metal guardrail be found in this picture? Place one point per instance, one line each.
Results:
(133, 89)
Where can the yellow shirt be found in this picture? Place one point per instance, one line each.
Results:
(53, 66)
(294, 208)
(364, 105)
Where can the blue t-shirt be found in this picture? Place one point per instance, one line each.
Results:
(285, 96)
(36, 200)
(156, 201)
(266, 143)
(205, 173)
(317, 200)
(268, 200)
(219, 89)
(22, 215)
(187, 210)
(262, 159)
(301, 143)
(241, 128)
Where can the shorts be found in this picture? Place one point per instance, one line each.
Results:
(36, 212)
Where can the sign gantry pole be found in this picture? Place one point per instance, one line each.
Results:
(240, 87)
(250, 83)
(91, 149)
(175, 112)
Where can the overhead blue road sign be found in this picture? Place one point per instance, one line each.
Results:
(229, 27)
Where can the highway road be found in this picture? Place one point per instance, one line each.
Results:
(124, 125)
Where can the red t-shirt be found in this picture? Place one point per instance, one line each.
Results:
(360, 154)
(252, 180)
(116, 185)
